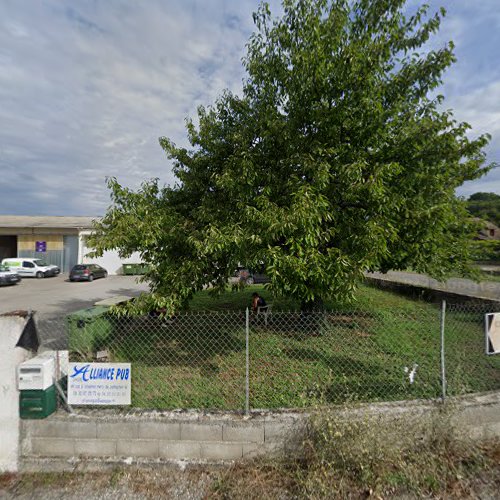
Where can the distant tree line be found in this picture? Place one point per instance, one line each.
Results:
(485, 206)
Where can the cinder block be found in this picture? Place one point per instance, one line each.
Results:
(53, 447)
(160, 430)
(137, 447)
(95, 447)
(201, 432)
(476, 415)
(118, 430)
(221, 451)
(292, 447)
(486, 399)
(284, 437)
(252, 450)
(277, 431)
(62, 429)
(250, 432)
(474, 433)
(181, 450)
(26, 444)
(492, 430)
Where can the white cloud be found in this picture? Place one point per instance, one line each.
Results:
(472, 84)
(86, 88)
(481, 109)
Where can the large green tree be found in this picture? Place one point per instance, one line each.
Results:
(337, 158)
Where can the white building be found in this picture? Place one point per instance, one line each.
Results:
(58, 240)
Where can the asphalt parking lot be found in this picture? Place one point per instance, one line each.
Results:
(57, 296)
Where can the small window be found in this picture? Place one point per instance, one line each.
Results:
(28, 264)
(492, 232)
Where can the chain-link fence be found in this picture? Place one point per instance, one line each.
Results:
(468, 367)
(238, 360)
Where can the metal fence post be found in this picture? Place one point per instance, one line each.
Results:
(443, 369)
(247, 374)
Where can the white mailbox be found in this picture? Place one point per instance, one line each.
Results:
(36, 374)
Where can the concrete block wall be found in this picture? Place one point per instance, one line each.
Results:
(213, 438)
(479, 415)
(159, 437)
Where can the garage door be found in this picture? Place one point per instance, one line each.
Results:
(70, 252)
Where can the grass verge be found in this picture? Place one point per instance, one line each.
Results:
(360, 458)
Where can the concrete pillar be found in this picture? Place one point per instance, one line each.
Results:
(11, 327)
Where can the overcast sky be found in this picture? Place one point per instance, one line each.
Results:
(88, 86)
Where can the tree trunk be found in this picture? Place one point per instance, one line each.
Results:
(310, 316)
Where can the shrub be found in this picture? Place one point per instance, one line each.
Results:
(486, 250)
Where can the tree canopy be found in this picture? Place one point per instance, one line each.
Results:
(337, 158)
(484, 197)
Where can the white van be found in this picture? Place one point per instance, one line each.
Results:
(27, 267)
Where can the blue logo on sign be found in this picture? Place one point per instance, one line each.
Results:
(87, 373)
(83, 371)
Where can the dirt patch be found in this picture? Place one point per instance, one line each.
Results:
(255, 480)
(120, 483)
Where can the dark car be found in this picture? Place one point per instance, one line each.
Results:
(87, 272)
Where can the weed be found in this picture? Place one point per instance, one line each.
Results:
(346, 456)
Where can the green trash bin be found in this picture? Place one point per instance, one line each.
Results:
(129, 269)
(89, 330)
(141, 269)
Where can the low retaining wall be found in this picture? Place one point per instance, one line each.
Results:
(433, 291)
(96, 439)
(156, 436)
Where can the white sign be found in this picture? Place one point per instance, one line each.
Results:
(492, 326)
(99, 383)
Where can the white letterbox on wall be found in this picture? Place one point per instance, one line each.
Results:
(36, 374)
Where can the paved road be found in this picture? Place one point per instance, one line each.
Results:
(459, 286)
(57, 296)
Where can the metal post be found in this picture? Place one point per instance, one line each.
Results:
(247, 374)
(443, 370)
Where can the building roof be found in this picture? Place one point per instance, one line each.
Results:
(46, 221)
(488, 231)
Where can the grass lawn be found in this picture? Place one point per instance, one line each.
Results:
(363, 352)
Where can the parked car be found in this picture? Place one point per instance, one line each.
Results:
(27, 267)
(8, 277)
(87, 272)
(250, 277)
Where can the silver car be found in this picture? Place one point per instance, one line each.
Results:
(8, 277)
